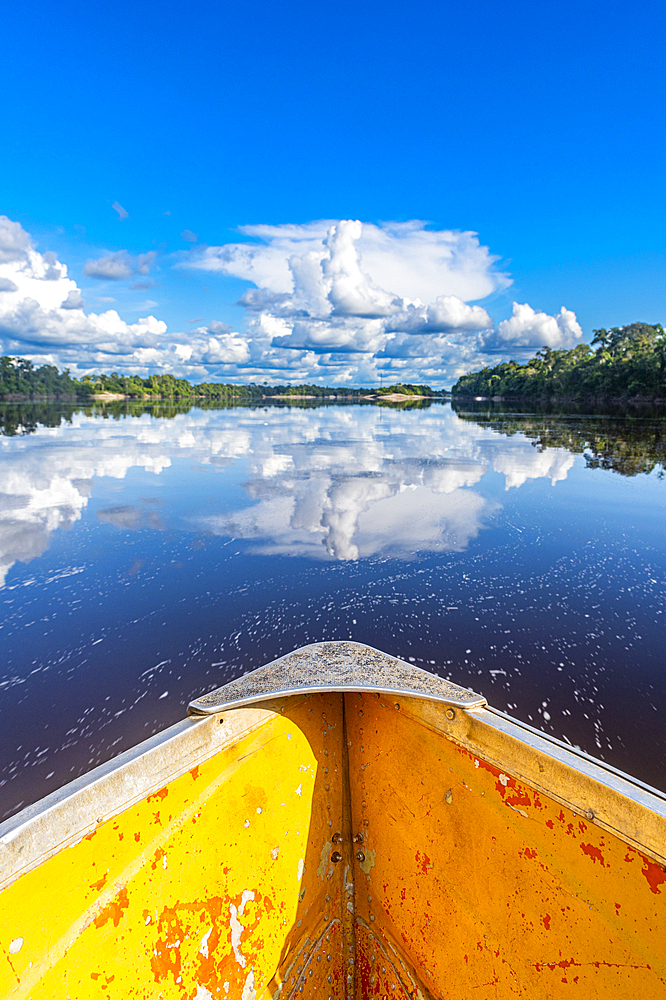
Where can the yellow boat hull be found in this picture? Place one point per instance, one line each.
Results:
(338, 844)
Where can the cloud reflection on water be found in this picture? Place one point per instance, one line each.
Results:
(333, 482)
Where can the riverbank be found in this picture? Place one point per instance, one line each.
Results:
(595, 403)
(116, 397)
(398, 397)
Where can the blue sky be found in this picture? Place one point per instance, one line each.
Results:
(537, 127)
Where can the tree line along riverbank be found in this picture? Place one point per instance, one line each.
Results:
(629, 362)
(20, 379)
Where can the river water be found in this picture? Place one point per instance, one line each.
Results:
(150, 554)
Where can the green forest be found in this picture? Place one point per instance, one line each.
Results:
(20, 379)
(625, 362)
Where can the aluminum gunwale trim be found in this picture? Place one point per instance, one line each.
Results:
(587, 759)
(194, 711)
(590, 767)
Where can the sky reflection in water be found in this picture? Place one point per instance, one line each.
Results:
(146, 560)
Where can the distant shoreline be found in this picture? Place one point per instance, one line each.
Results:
(116, 397)
(564, 400)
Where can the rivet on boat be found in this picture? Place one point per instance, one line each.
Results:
(360, 856)
(450, 714)
(336, 857)
(397, 706)
(589, 813)
(336, 838)
(358, 838)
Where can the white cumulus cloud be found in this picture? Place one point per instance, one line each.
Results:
(42, 314)
(335, 301)
(15, 243)
(528, 328)
(397, 297)
(414, 262)
(318, 297)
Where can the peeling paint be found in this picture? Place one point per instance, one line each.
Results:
(248, 989)
(655, 875)
(323, 860)
(203, 948)
(114, 910)
(423, 862)
(368, 862)
(247, 897)
(15, 946)
(521, 812)
(593, 852)
(237, 927)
